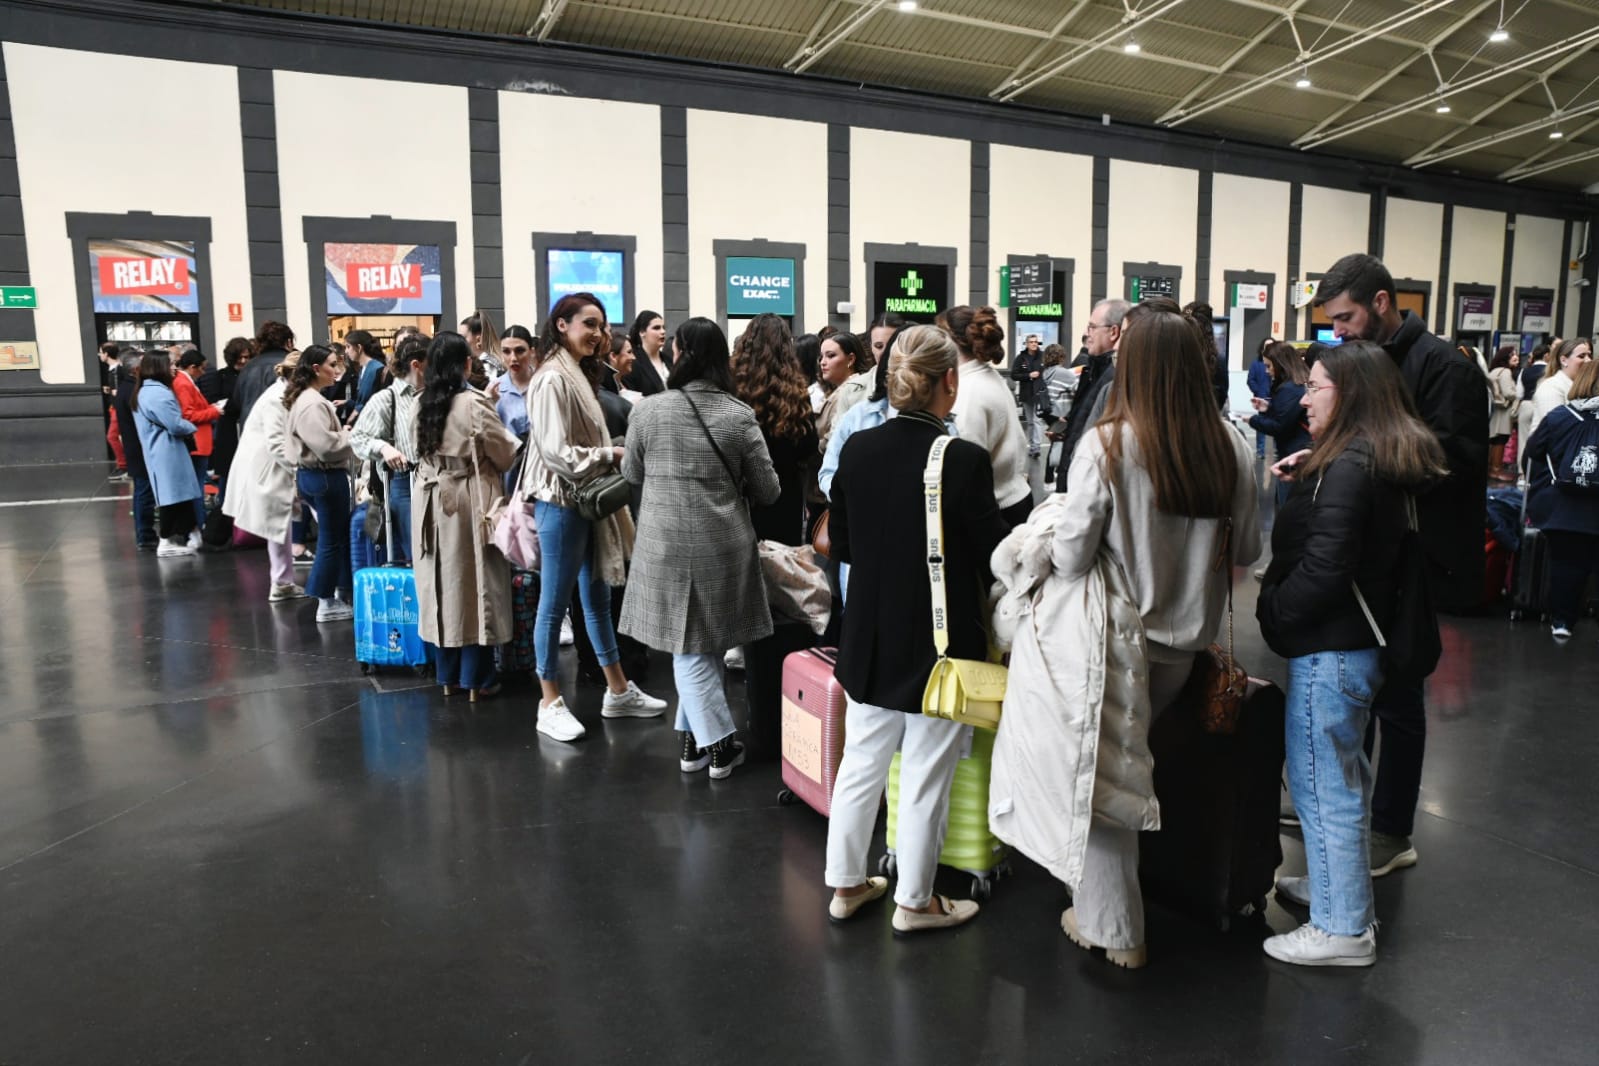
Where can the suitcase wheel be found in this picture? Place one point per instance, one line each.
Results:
(982, 888)
(785, 798)
(888, 866)
(366, 668)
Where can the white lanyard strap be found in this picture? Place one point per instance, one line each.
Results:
(932, 486)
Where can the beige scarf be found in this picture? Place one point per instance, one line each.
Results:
(613, 535)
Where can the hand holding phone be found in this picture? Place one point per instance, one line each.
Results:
(1285, 469)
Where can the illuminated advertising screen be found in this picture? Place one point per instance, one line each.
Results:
(1052, 311)
(916, 292)
(141, 277)
(383, 279)
(580, 270)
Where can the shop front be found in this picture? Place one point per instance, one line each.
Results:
(379, 275)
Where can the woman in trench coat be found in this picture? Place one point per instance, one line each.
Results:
(463, 583)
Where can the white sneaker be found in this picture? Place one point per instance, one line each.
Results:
(334, 611)
(280, 593)
(1560, 631)
(1295, 890)
(169, 548)
(567, 640)
(194, 539)
(557, 723)
(634, 703)
(734, 659)
(1309, 946)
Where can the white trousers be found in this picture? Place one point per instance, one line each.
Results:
(701, 700)
(929, 749)
(280, 558)
(1108, 900)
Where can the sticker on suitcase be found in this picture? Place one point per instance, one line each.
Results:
(802, 740)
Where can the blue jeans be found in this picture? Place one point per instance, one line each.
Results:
(1329, 701)
(400, 515)
(701, 699)
(200, 464)
(566, 549)
(143, 510)
(468, 667)
(328, 492)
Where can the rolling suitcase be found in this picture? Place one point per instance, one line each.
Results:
(386, 615)
(969, 845)
(1217, 850)
(813, 705)
(1529, 577)
(519, 656)
(765, 677)
(363, 552)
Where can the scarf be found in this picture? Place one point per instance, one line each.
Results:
(613, 535)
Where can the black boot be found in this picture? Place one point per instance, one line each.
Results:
(725, 754)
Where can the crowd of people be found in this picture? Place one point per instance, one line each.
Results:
(651, 467)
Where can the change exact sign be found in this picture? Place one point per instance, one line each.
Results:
(18, 296)
(757, 285)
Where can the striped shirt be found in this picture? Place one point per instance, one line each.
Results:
(389, 417)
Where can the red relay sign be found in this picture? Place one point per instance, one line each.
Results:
(144, 277)
(370, 281)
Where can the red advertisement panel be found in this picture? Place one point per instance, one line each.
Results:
(167, 276)
(378, 281)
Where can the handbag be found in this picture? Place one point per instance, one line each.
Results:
(968, 691)
(516, 533)
(601, 497)
(1218, 684)
(821, 536)
(1412, 647)
(795, 586)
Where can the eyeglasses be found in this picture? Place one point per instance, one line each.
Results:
(1311, 388)
(1100, 325)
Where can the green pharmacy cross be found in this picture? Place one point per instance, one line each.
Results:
(911, 283)
(910, 304)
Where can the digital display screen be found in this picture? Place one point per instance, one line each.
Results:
(383, 279)
(1054, 310)
(916, 292)
(580, 270)
(140, 277)
(1326, 337)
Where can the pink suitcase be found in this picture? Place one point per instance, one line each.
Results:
(813, 728)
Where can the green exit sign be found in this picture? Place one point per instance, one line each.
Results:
(18, 296)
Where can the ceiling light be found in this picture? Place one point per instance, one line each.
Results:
(1442, 109)
(907, 5)
(1131, 48)
(1499, 35)
(1555, 135)
(1303, 82)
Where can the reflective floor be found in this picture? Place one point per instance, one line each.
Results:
(219, 843)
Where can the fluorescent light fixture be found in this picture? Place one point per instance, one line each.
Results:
(907, 5)
(1442, 109)
(1499, 35)
(1131, 48)
(1555, 135)
(1303, 82)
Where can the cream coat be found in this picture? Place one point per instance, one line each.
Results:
(1073, 741)
(1502, 416)
(261, 488)
(463, 583)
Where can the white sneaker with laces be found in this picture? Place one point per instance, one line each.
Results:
(170, 548)
(567, 640)
(1309, 946)
(557, 723)
(194, 539)
(334, 611)
(1560, 632)
(280, 593)
(634, 703)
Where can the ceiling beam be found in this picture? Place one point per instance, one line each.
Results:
(1055, 31)
(1508, 98)
(1583, 40)
(1502, 136)
(1129, 23)
(1232, 61)
(549, 15)
(802, 60)
(1378, 30)
(1554, 146)
(1427, 49)
(1348, 27)
(1555, 164)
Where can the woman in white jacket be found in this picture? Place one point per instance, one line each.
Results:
(1166, 491)
(1565, 361)
(985, 410)
(261, 494)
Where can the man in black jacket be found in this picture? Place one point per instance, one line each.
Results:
(1028, 370)
(1358, 296)
(144, 531)
(1104, 334)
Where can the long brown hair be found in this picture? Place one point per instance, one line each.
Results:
(1586, 383)
(767, 376)
(567, 308)
(1162, 392)
(976, 330)
(304, 375)
(1372, 403)
(1286, 364)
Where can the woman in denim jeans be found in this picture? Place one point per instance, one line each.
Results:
(1335, 555)
(319, 446)
(568, 446)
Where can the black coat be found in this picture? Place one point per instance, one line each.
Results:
(1284, 419)
(795, 460)
(254, 379)
(1452, 398)
(879, 527)
(643, 378)
(127, 429)
(615, 406)
(1022, 371)
(1549, 507)
(1096, 378)
(1348, 530)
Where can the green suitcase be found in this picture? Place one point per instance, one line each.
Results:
(969, 846)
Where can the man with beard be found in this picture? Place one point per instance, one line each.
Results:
(1357, 294)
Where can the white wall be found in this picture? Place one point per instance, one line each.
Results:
(538, 195)
(1154, 218)
(1332, 224)
(1413, 241)
(1535, 257)
(334, 135)
(906, 188)
(76, 152)
(1043, 202)
(1249, 231)
(1477, 250)
(751, 177)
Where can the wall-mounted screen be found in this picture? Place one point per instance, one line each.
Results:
(1327, 337)
(916, 292)
(580, 270)
(143, 277)
(759, 285)
(1053, 311)
(383, 279)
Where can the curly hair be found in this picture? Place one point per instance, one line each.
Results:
(977, 332)
(767, 376)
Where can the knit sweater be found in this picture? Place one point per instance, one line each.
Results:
(985, 414)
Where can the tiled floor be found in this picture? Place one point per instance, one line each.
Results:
(219, 843)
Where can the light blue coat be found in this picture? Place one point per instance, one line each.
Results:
(162, 428)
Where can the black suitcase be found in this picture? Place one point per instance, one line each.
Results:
(1216, 853)
(1529, 577)
(763, 683)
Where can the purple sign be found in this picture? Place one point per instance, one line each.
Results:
(1476, 312)
(1537, 316)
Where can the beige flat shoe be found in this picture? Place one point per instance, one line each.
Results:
(953, 913)
(1127, 958)
(843, 908)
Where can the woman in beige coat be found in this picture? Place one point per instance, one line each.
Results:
(463, 583)
(261, 492)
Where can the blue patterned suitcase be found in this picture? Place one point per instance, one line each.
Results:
(387, 610)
